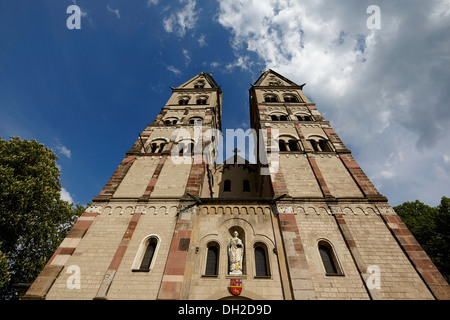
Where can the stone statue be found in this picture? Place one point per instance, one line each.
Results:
(235, 254)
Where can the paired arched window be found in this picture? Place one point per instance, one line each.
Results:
(183, 101)
(185, 148)
(170, 121)
(277, 117)
(288, 144)
(146, 254)
(156, 146)
(199, 85)
(304, 118)
(196, 120)
(270, 98)
(202, 100)
(320, 145)
(329, 259)
(290, 98)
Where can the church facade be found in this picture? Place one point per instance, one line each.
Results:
(302, 222)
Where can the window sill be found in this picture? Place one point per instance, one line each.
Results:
(334, 274)
(140, 270)
(210, 276)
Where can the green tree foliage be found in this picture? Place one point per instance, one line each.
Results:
(431, 228)
(33, 218)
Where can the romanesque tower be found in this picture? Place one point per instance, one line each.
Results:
(302, 222)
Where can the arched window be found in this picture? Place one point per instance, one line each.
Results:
(146, 254)
(199, 84)
(261, 261)
(320, 145)
(183, 101)
(246, 186)
(283, 118)
(290, 98)
(270, 98)
(299, 118)
(329, 259)
(171, 121)
(157, 146)
(195, 120)
(212, 260)
(227, 185)
(274, 117)
(201, 100)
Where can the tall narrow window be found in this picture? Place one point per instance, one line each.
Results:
(161, 147)
(227, 185)
(314, 144)
(261, 263)
(329, 260)
(246, 186)
(191, 148)
(181, 147)
(212, 260)
(282, 145)
(293, 145)
(148, 255)
(324, 146)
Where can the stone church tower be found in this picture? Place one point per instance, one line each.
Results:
(303, 222)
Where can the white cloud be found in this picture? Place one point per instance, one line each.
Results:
(382, 90)
(115, 11)
(202, 41)
(174, 70)
(65, 195)
(187, 56)
(151, 2)
(181, 20)
(241, 62)
(446, 158)
(63, 149)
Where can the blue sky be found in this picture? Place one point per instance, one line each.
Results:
(87, 93)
